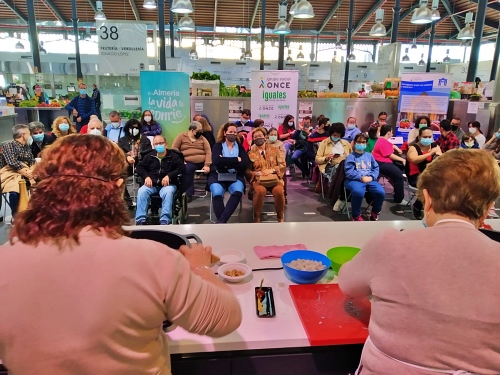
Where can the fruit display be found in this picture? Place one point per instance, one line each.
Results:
(28, 103)
(404, 124)
(377, 88)
(307, 94)
(391, 93)
(338, 95)
(128, 114)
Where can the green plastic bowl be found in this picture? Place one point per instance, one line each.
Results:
(340, 255)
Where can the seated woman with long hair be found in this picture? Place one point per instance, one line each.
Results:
(78, 295)
(265, 173)
(227, 172)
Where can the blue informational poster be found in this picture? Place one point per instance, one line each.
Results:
(422, 94)
(166, 95)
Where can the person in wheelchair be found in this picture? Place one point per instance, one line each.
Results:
(361, 173)
(159, 170)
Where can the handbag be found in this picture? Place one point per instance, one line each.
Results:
(226, 177)
(270, 180)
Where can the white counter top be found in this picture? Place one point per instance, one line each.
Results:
(285, 330)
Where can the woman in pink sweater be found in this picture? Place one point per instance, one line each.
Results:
(434, 291)
(78, 295)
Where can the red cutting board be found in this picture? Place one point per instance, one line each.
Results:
(321, 309)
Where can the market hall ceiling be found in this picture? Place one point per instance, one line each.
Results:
(330, 16)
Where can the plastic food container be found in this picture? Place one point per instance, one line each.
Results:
(304, 277)
(340, 255)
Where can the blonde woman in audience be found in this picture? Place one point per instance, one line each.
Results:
(62, 126)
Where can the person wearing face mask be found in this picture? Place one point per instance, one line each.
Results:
(245, 124)
(40, 139)
(455, 127)
(468, 142)
(419, 156)
(81, 107)
(227, 172)
(96, 97)
(95, 126)
(285, 132)
(475, 130)
(428, 316)
(197, 155)
(266, 173)
(448, 140)
(352, 129)
(16, 162)
(62, 126)
(300, 156)
(420, 122)
(150, 127)
(332, 150)
(114, 130)
(361, 173)
(159, 169)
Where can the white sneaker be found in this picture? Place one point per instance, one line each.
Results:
(492, 214)
(404, 202)
(339, 205)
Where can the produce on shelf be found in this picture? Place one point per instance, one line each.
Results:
(307, 94)
(377, 88)
(28, 103)
(355, 95)
(391, 93)
(130, 114)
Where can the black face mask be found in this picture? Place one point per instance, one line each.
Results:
(259, 141)
(231, 137)
(454, 127)
(197, 135)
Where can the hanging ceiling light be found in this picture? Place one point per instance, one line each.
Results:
(149, 4)
(414, 44)
(293, 7)
(19, 45)
(378, 29)
(86, 36)
(435, 12)
(422, 14)
(99, 14)
(406, 58)
(447, 58)
(42, 50)
(182, 6)
(467, 32)
(300, 55)
(338, 44)
(464, 44)
(421, 62)
(248, 55)
(303, 9)
(186, 23)
(193, 50)
(194, 56)
(281, 27)
(289, 58)
(351, 56)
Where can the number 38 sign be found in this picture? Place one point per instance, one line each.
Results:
(122, 47)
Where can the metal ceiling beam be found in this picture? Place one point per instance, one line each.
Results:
(367, 16)
(13, 8)
(56, 11)
(491, 4)
(330, 15)
(215, 14)
(454, 18)
(91, 2)
(134, 10)
(255, 10)
(404, 15)
(429, 25)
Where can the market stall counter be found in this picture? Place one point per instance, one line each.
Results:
(46, 115)
(6, 124)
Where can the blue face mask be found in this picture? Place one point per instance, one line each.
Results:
(426, 141)
(83, 92)
(160, 149)
(497, 135)
(63, 127)
(335, 139)
(38, 137)
(360, 146)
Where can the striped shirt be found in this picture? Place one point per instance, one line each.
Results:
(14, 154)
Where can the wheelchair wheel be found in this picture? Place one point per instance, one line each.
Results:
(183, 214)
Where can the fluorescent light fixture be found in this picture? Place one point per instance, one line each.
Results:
(182, 6)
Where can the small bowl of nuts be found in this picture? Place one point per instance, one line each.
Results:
(234, 272)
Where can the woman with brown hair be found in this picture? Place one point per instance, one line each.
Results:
(207, 131)
(78, 295)
(428, 315)
(265, 173)
(61, 127)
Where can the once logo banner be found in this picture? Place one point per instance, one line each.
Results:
(122, 47)
(274, 95)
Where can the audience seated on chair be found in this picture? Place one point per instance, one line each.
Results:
(272, 139)
(40, 139)
(227, 172)
(285, 132)
(448, 140)
(420, 122)
(352, 130)
(114, 130)
(160, 170)
(361, 173)
(135, 146)
(197, 154)
(207, 131)
(384, 154)
(16, 162)
(419, 155)
(373, 134)
(61, 127)
(333, 149)
(469, 142)
(266, 173)
(300, 156)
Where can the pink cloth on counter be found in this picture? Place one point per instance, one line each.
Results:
(276, 251)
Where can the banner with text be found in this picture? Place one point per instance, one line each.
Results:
(305, 110)
(423, 94)
(235, 108)
(122, 47)
(166, 95)
(274, 95)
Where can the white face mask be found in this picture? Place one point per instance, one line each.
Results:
(244, 120)
(147, 118)
(472, 130)
(290, 123)
(30, 141)
(115, 125)
(95, 131)
(469, 144)
(134, 131)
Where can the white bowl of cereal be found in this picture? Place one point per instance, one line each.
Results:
(234, 272)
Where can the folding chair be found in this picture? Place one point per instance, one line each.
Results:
(268, 195)
(212, 214)
(202, 191)
(329, 177)
(412, 194)
(348, 206)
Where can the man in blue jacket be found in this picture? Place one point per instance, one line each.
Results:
(82, 107)
(115, 129)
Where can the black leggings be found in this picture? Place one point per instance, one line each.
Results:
(412, 181)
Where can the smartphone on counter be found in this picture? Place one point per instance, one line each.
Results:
(264, 302)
